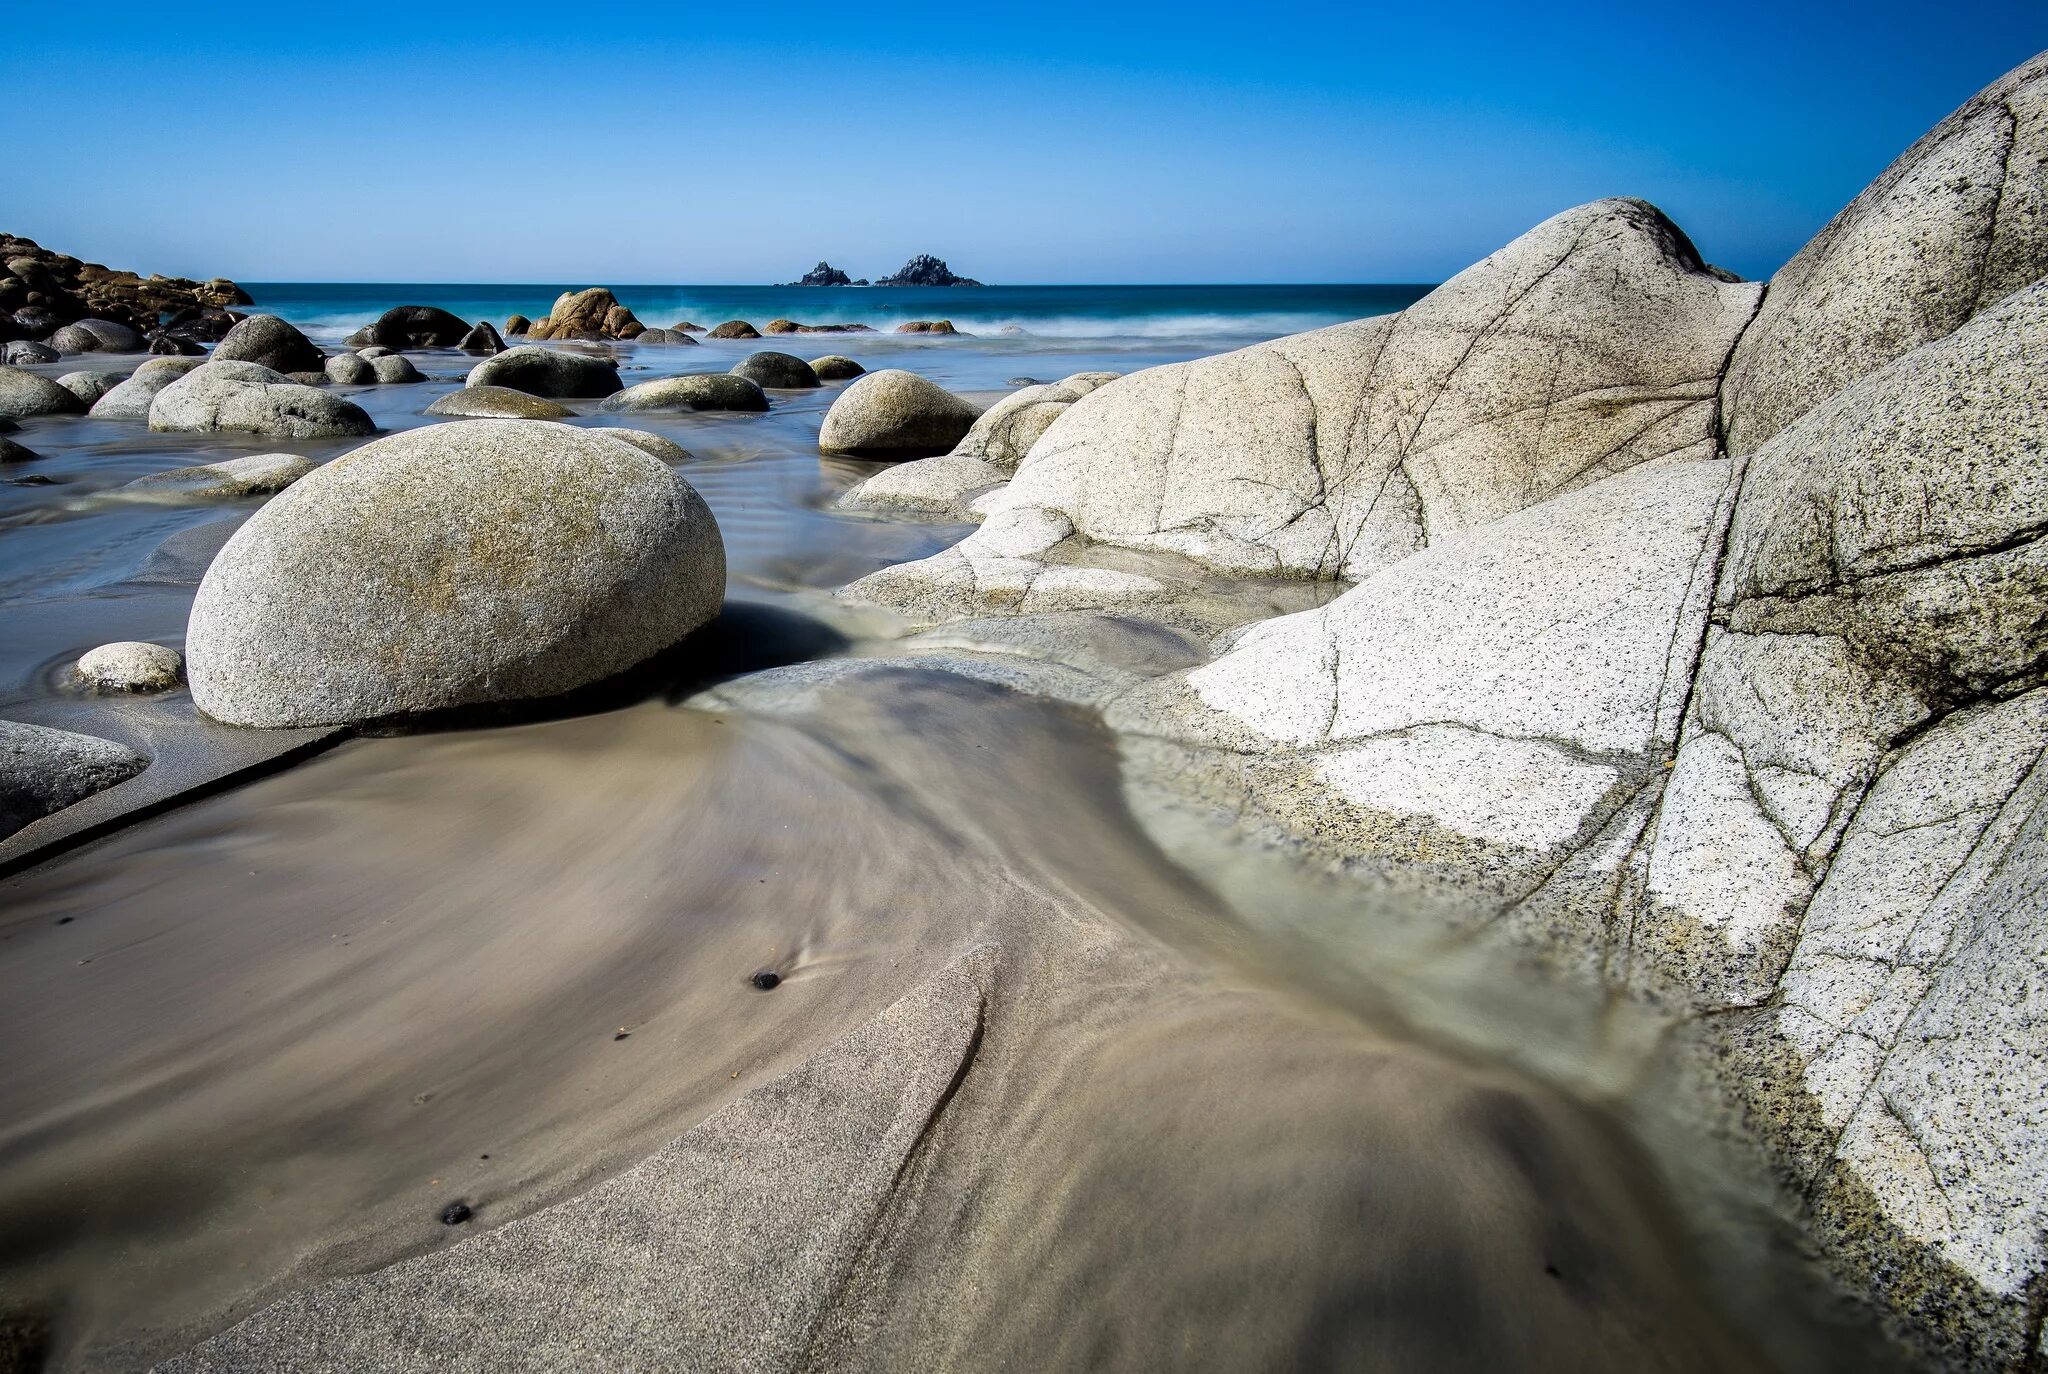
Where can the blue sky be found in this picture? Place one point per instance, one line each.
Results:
(1022, 142)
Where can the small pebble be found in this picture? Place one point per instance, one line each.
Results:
(455, 1213)
(766, 980)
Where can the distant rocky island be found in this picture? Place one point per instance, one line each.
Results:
(825, 274)
(922, 270)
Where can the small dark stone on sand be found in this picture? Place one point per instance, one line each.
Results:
(455, 1213)
(65, 920)
(766, 980)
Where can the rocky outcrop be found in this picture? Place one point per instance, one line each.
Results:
(498, 403)
(547, 372)
(44, 770)
(589, 314)
(459, 564)
(926, 270)
(792, 327)
(694, 391)
(1590, 345)
(53, 289)
(245, 398)
(782, 370)
(926, 327)
(270, 342)
(895, 414)
(825, 274)
(1752, 740)
(1954, 226)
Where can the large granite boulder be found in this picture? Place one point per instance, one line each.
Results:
(44, 770)
(695, 391)
(24, 394)
(896, 414)
(547, 372)
(96, 336)
(1590, 345)
(498, 403)
(417, 326)
(131, 400)
(350, 369)
(768, 369)
(245, 398)
(485, 561)
(1958, 223)
(269, 342)
(835, 367)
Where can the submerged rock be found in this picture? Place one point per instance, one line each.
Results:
(131, 666)
(777, 370)
(487, 561)
(547, 372)
(270, 342)
(498, 402)
(12, 452)
(696, 391)
(649, 443)
(43, 770)
(895, 414)
(250, 399)
(259, 474)
(663, 336)
(25, 394)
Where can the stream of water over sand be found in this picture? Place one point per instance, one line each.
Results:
(1221, 1113)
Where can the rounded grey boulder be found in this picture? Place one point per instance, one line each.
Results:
(250, 399)
(498, 403)
(896, 414)
(131, 399)
(24, 351)
(269, 342)
(547, 372)
(834, 367)
(494, 560)
(44, 770)
(663, 336)
(23, 394)
(350, 369)
(776, 369)
(696, 391)
(393, 369)
(90, 387)
(132, 665)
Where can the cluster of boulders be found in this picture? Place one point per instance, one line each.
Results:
(42, 293)
(926, 270)
(792, 327)
(425, 326)
(1694, 645)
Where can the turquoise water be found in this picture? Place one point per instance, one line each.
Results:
(1199, 318)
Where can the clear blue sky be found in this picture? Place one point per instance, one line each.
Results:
(1024, 143)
